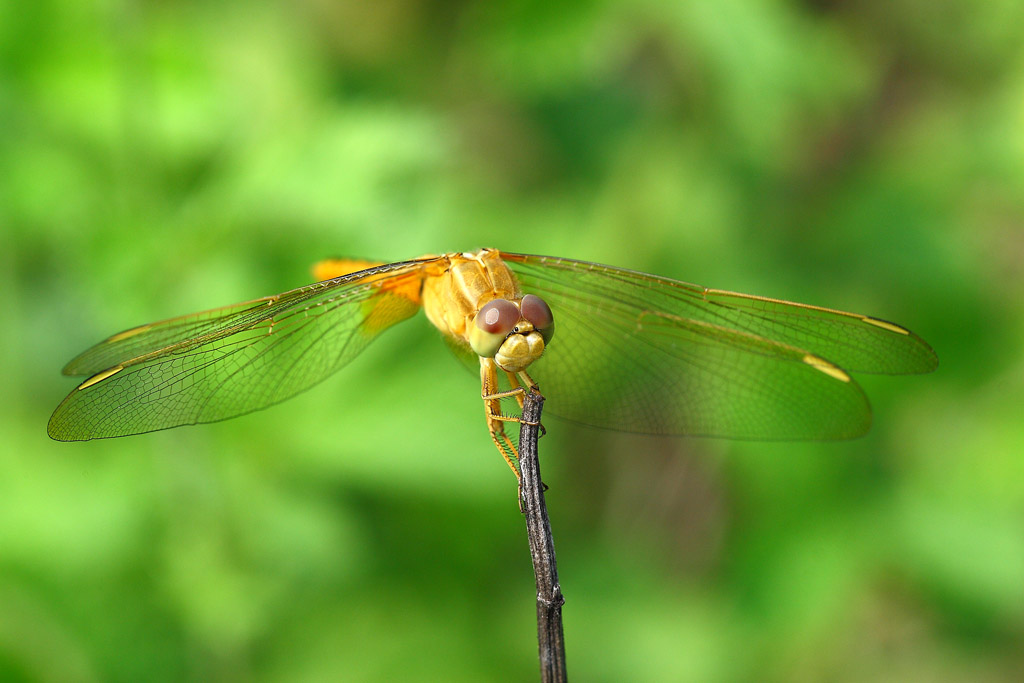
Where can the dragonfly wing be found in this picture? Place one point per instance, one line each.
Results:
(858, 343)
(139, 341)
(219, 364)
(641, 353)
(146, 339)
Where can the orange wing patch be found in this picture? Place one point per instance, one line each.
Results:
(336, 267)
(381, 309)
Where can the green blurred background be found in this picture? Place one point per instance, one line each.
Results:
(160, 158)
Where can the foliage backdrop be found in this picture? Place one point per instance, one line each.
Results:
(159, 158)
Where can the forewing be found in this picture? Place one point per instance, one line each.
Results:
(137, 342)
(641, 353)
(222, 363)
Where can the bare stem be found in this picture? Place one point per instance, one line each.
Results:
(550, 639)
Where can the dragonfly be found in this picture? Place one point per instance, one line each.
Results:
(633, 352)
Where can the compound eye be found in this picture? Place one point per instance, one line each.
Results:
(494, 322)
(497, 317)
(539, 314)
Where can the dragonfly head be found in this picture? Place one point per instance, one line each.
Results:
(514, 333)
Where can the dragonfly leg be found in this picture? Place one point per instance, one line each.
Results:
(505, 394)
(495, 420)
(513, 379)
(517, 389)
(530, 384)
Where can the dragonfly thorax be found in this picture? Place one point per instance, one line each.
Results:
(453, 297)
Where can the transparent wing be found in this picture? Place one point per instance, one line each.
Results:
(641, 353)
(222, 363)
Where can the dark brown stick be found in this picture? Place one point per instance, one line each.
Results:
(550, 640)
